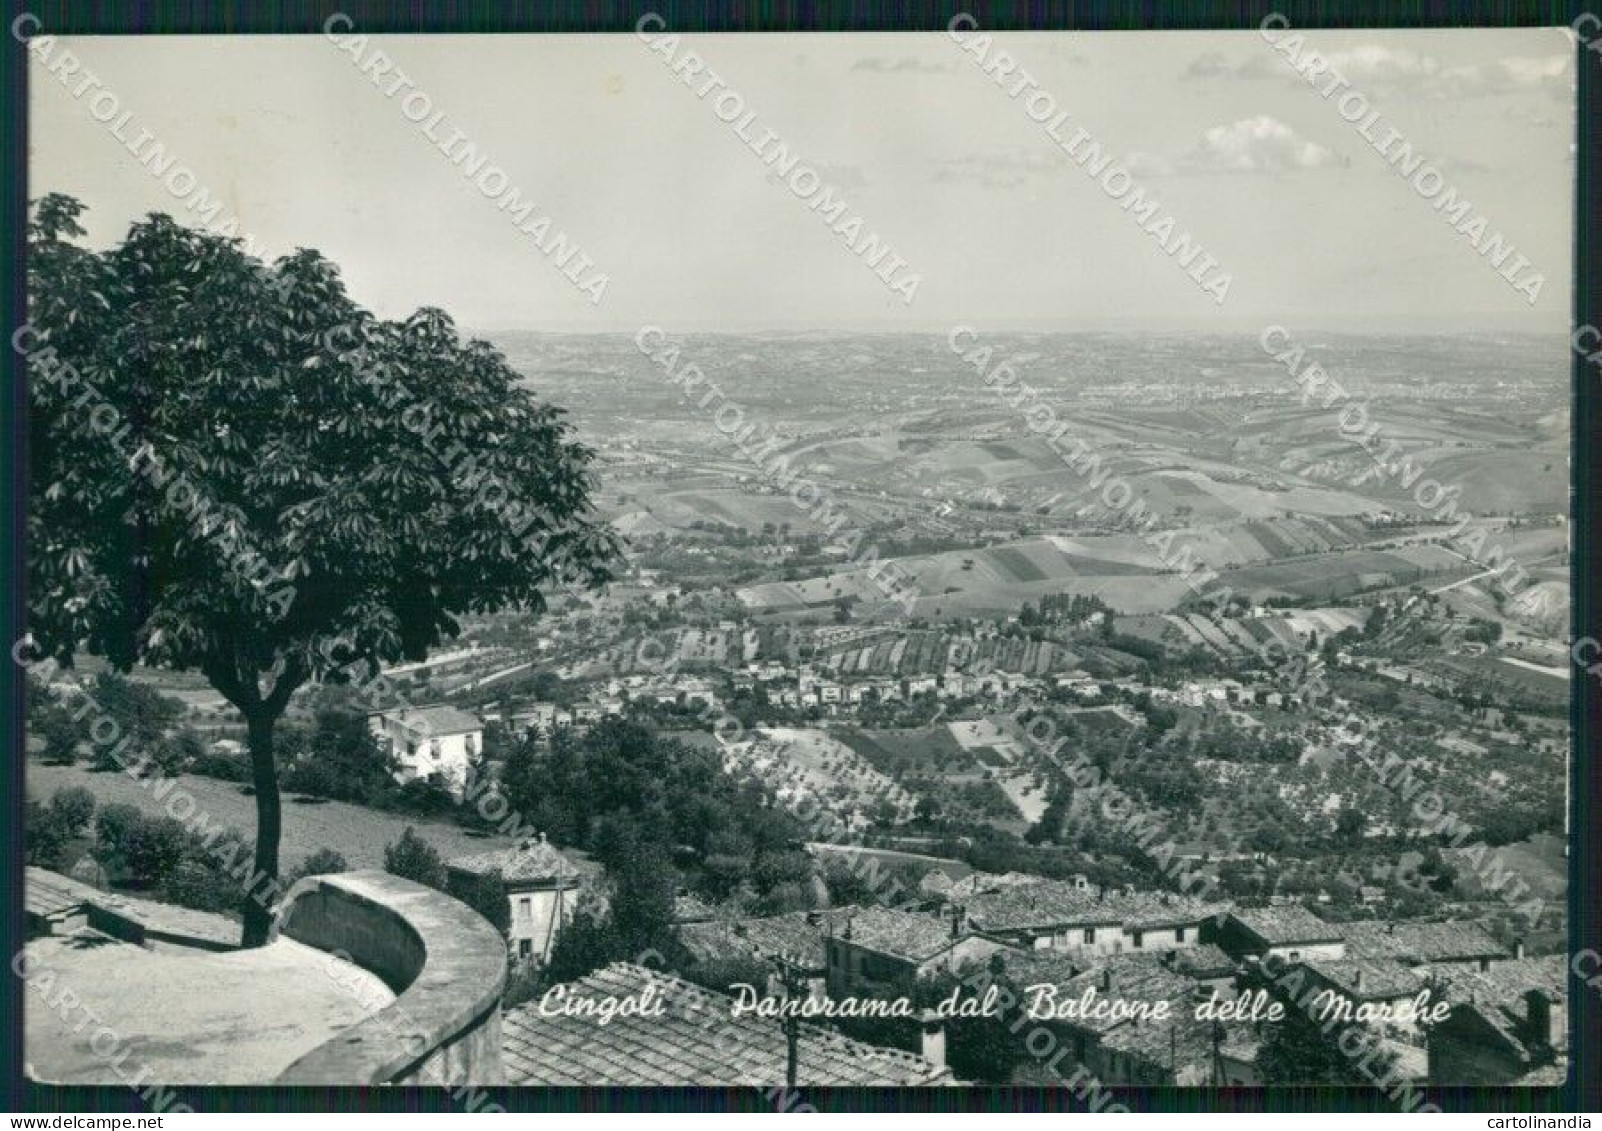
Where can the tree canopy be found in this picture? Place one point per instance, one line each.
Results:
(237, 469)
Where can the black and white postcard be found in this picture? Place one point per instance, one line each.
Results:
(797, 562)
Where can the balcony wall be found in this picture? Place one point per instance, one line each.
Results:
(445, 963)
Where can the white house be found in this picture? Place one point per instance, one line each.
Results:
(541, 886)
(429, 741)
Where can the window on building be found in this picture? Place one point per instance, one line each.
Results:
(525, 909)
(1135, 940)
(525, 947)
(1090, 935)
(1179, 934)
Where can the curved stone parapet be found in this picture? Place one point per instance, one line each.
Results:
(444, 961)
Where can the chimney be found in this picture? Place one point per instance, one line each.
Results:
(847, 933)
(1106, 978)
(933, 1047)
(1518, 948)
(959, 919)
(1357, 981)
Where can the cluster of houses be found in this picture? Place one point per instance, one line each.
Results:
(1505, 1022)
(808, 687)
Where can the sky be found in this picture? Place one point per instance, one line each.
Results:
(1000, 227)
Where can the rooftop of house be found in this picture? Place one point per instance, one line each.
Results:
(1500, 996)
(1060, 903)
(532, 860)
(797, 935)
(1505, 983)
(1422, 942)
(981, 883)
(1366, 978)
(1201, 961)
(1128, 977)
(901, 934)
(1286, 925)
(694, 1043)
(433, 722)
(1181, 1044)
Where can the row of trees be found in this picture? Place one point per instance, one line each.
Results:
(154, 855)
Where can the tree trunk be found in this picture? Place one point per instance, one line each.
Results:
(262, 886)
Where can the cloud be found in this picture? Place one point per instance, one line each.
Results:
(882, 65)
(1251, 145)
(1409, 72)
(1001, 170)
(1257, 145)
(1382, 69)
(1215, 64)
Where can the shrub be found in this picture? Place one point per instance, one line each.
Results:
(485, 894)
(310, 776)
(323, 862)
(59, 733)
(177, 752)
(159, 844)
(114, 832)
(75, 807)
(203, 885)
(206, 876)
(46, 836)
(413, 858)
(426, 797)
(223, 767)
(137, 848)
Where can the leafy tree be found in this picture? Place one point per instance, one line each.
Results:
(413, 858)
(982, 1049)
(643, 887)
(340, 758)
(1297, 1050)
(238, 470)
(586, 943)
(847, 886)
(142, 714)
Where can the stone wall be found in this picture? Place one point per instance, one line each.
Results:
(445, 963)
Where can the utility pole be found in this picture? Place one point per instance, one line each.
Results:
(794, 990)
